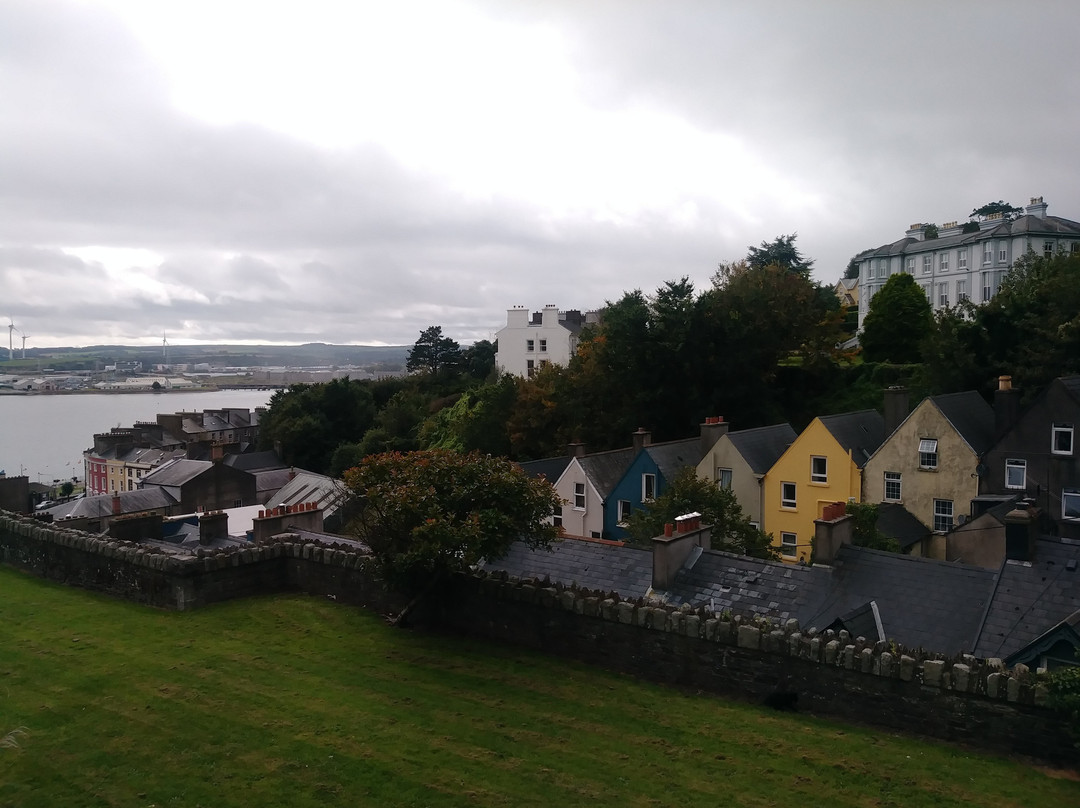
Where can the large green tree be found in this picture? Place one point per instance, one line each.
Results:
(1008, 212)
(426, 514)
(898, 319)
(433, 352)
(780, 252)
(688, 493)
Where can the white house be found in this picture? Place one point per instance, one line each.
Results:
(959, 266)
(547, 337)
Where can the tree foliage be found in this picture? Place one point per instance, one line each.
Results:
(688, 493)
(1008, 212)
(865, 532)
(428, 513)
(899, 318)
(1063, 695)
(780, 252)
(433, 352)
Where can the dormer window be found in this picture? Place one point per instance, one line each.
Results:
(928, 453)
(1061, 439)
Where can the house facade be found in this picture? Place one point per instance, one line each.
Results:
(585, 488)
(822, 466)
(1039, 457)
(739, 460)
(958, 266)
(929, 464)
(547, 337)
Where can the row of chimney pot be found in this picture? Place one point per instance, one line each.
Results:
(283, 510)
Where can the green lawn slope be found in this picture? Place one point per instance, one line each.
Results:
(295, 701)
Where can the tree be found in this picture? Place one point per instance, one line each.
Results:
(427, 514)
(1008, 212)
(897, 321)
(865, 532)
(688, 493)
(930, 231)
(433, 352)
(67, 488)
(479, 358)
(852, 270)
(781, 252)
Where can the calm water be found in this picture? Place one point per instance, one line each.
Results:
(44, 436)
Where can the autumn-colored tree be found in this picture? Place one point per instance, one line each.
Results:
(428, 513)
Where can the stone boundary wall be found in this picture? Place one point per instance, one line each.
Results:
(960, 699)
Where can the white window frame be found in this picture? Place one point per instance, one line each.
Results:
(961, 290)
(624, 511)
(789, 541)
(1048, 249)
(927, 264)
(648, 487)
(943, 294)
(1003, 252)
(988, 253)
(894, 478)
(1015, 473)
(1070, 503)
(530, 345)
(1058, 433)
(961, 259)
(556, 516)
(579, 496)
(943, 515)
(789, 501)
(723, 477)
(928, 453)
(530, 368)
(543, 346)
(943, 262)
(911, 265)
(816, 475)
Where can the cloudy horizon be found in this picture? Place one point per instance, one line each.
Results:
(244, 172)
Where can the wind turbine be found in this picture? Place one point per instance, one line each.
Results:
(25, 337)
(165, 348)
(10, 332)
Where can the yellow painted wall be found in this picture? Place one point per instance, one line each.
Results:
(843, 481)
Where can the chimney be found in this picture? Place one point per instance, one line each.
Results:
(831, 532)
(213, 525)
(712, 430)
(917, 231)
(217, 453)
(292, 473)
(1021, 530)
(641, 438)
(896, 407)
(679, 542)
(117, 508)
(1006, 406)
(1036, 207)
(575, 449)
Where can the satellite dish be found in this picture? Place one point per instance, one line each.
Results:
(981, 469)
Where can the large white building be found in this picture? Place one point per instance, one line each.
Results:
(549, 336)
(959, 266)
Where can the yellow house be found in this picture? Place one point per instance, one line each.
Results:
(822, 466)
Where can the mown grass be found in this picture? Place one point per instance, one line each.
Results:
(295, 701)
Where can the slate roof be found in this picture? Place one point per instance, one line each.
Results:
(922, 602)
(1031, 597)
(674, 455)
(269, 481)
(726, 581)
(550, 468)
(1022, 225)
(307, 486)
(176, 472)
(254, 461)
(897, 522)
(762, 447)
(605, 469)
(1072, 384)
(970, 416)
(860, 432)
(95, 507)
(602, 566)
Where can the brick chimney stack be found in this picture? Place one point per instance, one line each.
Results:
(641, 438)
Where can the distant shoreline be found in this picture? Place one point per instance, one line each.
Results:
(174, 391)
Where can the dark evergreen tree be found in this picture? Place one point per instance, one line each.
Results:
(898, 319)
(433, 352)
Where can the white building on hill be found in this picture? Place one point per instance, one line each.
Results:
(547, 337)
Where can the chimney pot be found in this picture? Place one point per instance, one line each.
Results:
(669, 529)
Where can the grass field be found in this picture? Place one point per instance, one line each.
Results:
(295, 701)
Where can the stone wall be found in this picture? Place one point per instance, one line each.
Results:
(960, 699)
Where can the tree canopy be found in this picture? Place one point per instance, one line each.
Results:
(434, 352)
(898, 319)
(428, 513)
(780, 252)
(1008, 212)
(688, 493)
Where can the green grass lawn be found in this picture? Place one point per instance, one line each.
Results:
(296, 701)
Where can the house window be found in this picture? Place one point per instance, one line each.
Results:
(990, 284)
(787, 495)
(819, 470)
(1048, 249)
(928, 453)
(893, 482)
(1061, 439)
(530, 367)
(926, 291)
(543, 345)
(961, 290)
(789, 544)
(943, 294)
(943, 262)
(624, 511)
(238, 503)
(1003, 252)
(1015, 473)
(648, 487)
(530, 345)
(723, 478)
(927, 264)
(556, 517)
(882, 269)
(579, 496)
(1074, 247)
(961, 259)
(911, 265)
(1070, 503)
(943, 513)
(988, 253)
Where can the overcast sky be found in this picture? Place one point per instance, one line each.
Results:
(353, 172)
